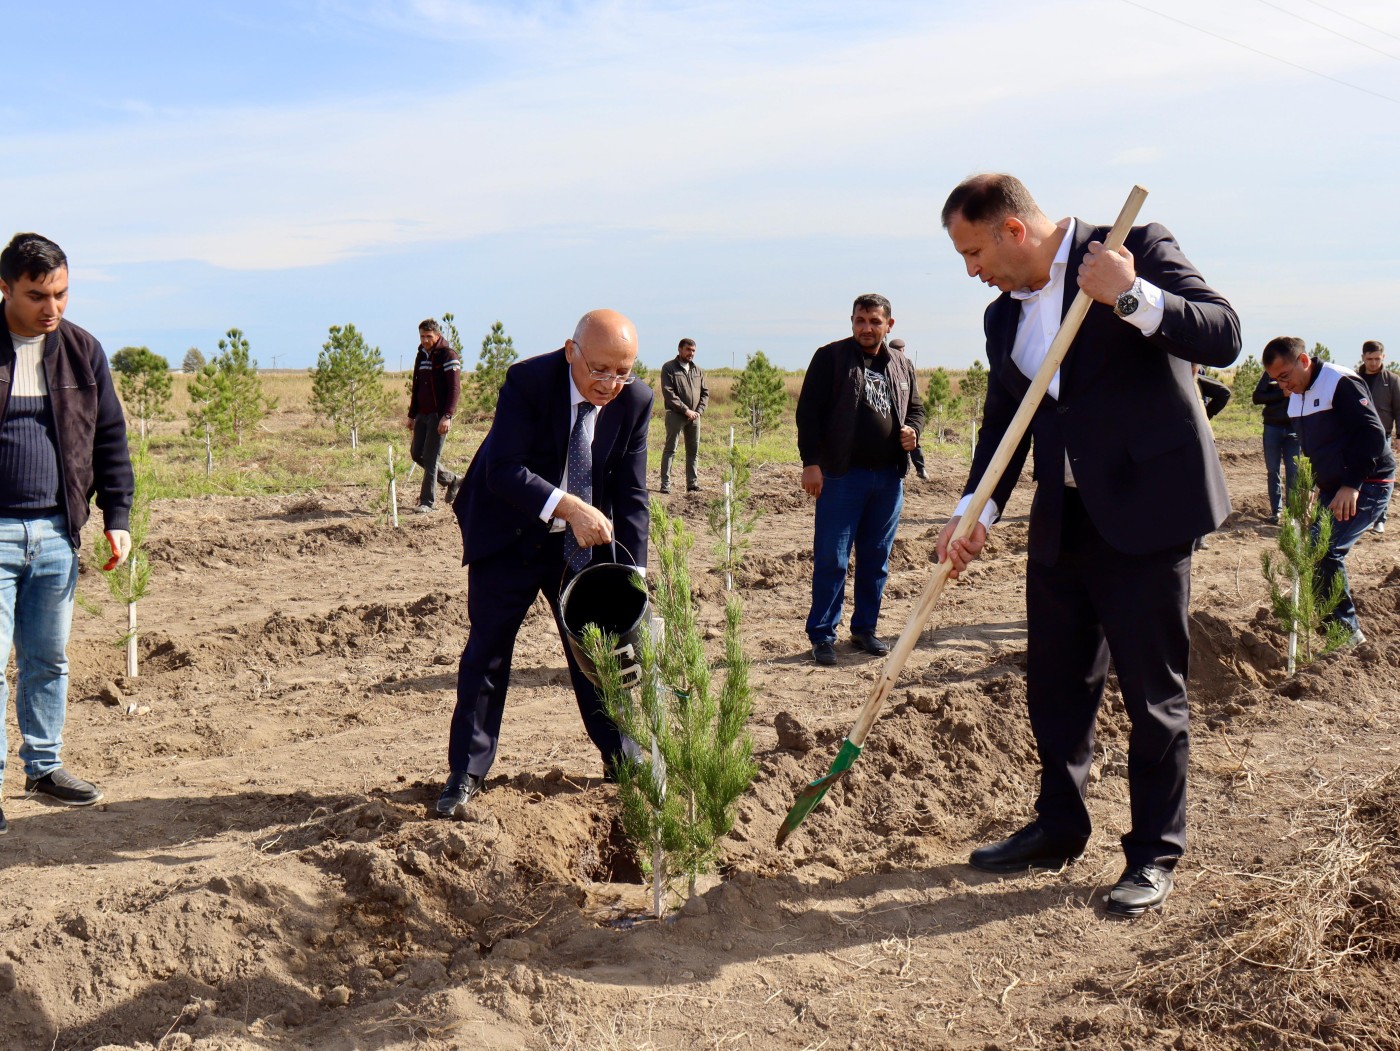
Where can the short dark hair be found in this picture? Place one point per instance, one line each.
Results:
(871, 301)
(1373, 346)
(685, 343)
(1288, 348)
(32, 256)
(429, 326)
(989, 198)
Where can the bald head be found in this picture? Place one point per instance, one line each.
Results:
(605, 327)
(602, 353)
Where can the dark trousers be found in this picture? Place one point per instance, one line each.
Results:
(1371, 503)
(425, 450)
(500, 592)
(1281, 449)
(676, 425)
(1096, 602)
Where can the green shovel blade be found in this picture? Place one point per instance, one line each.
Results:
(810, 796)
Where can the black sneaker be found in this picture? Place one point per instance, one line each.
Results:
(824, 653)
(63, 787)
(4, 825)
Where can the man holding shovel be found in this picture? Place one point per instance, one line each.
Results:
(1127, 476)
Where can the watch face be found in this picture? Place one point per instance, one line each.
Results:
(1127, 303)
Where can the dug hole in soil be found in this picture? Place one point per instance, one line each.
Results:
(263, 872)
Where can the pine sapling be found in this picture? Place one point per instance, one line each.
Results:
(732, 515)
(698, 733)
(128, 582)
(1295, 594)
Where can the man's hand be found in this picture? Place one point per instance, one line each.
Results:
(963, 552)
(120, 541)
(1104, 275)
(691, 414)
(908, 438)
(444, 425)
(1343, 505)
(410, 423)
(812, 480)
(591, 527)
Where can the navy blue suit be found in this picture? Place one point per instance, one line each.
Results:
(510, 554)
(1109, 569)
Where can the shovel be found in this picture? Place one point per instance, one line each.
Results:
(810, 796)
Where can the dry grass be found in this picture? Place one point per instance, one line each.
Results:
(1298, 959)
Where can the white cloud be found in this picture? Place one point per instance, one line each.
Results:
(720, 121)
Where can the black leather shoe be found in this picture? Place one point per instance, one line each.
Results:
(870, 643)
(1030, 848)
(1140, 888)
(694, 489)
(62, 787)
(824, 653)
(460, 789)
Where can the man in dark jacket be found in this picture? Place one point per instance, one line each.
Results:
(62, 438)
(1127, 476)
(437, 386)
(685, 395)
(1351, 459)
(858, 416)
(561, 473)
(1384, 386)
(1280, 441)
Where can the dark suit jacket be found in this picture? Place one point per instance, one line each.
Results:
(1128, 413)
(522, 460)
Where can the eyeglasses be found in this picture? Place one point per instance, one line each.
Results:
(622, 379)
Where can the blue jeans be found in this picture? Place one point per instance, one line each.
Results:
(859, 509)
(38, 578)
(1280, 444)
(1370, 505)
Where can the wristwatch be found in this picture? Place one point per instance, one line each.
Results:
(1130, 300)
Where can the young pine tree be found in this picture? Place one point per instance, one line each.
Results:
(128, 583)
(208, 412)
(245, 405)
(347, 384)
(1294, 589)
(680, 808)
(732, 515)
(760, 395)
(144, 382)
(1247, 374)
(497, 355)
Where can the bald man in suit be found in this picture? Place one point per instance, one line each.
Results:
(560, 475)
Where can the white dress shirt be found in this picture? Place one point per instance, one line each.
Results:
(1041, 314)
(590, 427)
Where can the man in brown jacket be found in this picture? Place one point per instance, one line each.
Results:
(685, 395)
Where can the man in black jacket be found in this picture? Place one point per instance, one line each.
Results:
(1384, 386)
(62, 438)
(1280, 441)
(1351, 459)
(1127, 476)
(858, 416)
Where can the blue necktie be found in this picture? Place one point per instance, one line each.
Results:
(580, 475)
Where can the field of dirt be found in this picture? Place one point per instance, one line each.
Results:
(263, 873)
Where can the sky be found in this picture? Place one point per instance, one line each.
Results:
(732, 172)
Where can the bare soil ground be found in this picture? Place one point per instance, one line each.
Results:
(263, 873)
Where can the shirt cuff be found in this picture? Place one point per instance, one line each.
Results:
(1147, 318)
(988, 515)
(547, 512)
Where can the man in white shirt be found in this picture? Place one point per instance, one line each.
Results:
(1127, 476)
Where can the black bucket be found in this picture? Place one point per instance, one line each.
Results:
(605, 594)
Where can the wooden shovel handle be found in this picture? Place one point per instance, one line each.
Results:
(1015, 430)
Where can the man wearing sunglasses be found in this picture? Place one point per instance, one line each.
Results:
(560, 475)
